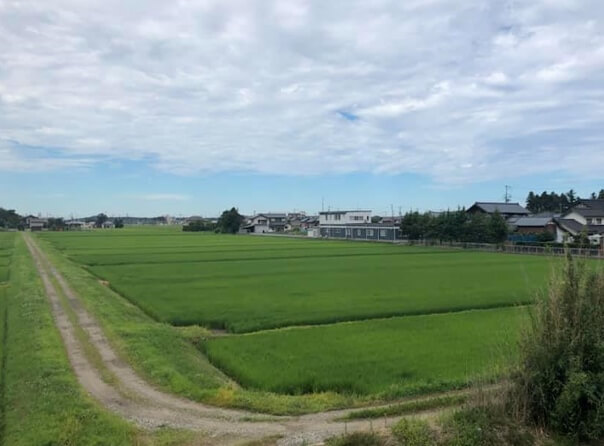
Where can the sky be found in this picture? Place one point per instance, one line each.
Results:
(190, 107)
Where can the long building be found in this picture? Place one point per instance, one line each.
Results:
(355, 225)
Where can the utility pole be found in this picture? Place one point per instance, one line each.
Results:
(508, 196)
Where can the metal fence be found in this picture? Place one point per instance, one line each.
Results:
(509, 248)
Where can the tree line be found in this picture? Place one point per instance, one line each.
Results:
(455, 226)
(553, 202)
(229, 222)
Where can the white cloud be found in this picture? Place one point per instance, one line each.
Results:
(508, 88)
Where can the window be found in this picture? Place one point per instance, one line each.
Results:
(383, 233)
(358, 232)
(370, 232)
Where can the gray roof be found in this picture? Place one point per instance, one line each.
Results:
(271, 215)
(344, 212)
(503, 208)
(592, 204)
(575, 227)
(532, 221)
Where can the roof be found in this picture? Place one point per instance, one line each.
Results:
(532, 221)
(502, 208)
(343, 212)
(362, 225)
(592, 204)
(270, 215)
(575, 227)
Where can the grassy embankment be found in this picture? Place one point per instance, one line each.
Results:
(42, 402)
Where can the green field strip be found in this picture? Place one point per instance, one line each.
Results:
(398, 356)
(251, 296)
(222, 257)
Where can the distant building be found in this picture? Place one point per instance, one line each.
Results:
(507, 210)
(344, 217)
(108, 225)
(265, 223)
(355, 225)
(75, 225)
(587, 212)
(35, 223)
(587, 217)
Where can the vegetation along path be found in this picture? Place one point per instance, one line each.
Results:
(118, 388)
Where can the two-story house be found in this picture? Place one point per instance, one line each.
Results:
(355, 224)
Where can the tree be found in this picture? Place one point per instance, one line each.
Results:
(498, 228)
(230, 221)
(100, 219)
(199, 226)
(376, 219)
(56, 224)
(9, 218)
(414, 225)
(601, 195)
(118, 222)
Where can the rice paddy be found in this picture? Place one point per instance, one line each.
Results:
(300, 316)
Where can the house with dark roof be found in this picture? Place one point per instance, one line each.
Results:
(507, 210)
(264, 223)
(587, 216)
(587, 212)
(532, 224)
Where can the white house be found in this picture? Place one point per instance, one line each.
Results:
(344, 217)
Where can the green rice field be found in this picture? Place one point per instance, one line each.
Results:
(297, 316)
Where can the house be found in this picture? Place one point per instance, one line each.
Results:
(35, 223)
(533, 224)
(265, 223)
(344, 217)
(309, 222)
(507, 210)
(75, 225)
(108, 225)
(396, 221)
(587, 212)
(355, 225)
(587, 216)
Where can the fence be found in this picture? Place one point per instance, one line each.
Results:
(510, 248)
(489, 247)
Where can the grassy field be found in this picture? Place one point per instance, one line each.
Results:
(247, 284)
(346, 342)
(397, 356)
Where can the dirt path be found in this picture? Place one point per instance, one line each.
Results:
(136, 400)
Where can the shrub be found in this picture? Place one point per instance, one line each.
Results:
(414, 433)
(484, 426)
(356, 439)
(559, 381)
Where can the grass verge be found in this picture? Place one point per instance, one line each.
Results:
(43, 402)
(407, 407)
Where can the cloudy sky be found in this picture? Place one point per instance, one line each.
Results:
(153, 107)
